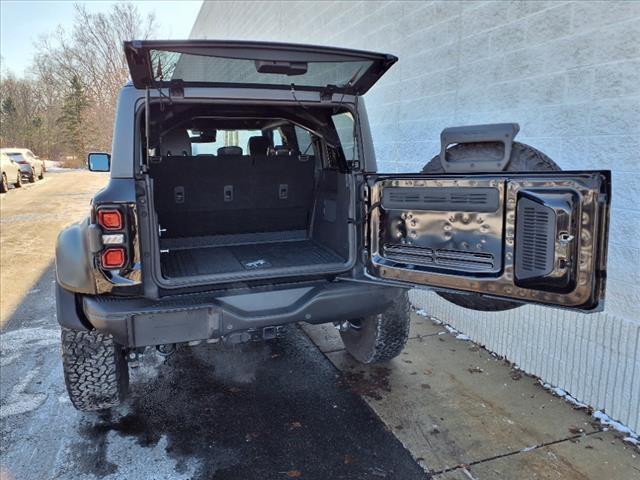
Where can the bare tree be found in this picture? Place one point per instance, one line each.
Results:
(43, 112)
(92, 53)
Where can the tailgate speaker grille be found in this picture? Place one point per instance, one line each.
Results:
(440, 258)
(442, 199)
(535, 239)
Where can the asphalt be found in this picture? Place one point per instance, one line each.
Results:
(265, 411)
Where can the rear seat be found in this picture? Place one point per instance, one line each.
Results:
(231, 192)
(284, 190)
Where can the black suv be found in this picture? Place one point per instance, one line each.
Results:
(244, 196)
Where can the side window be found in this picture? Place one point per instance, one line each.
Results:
(304, 141)
(277, 138)
(344, 126)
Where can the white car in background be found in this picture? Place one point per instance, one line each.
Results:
(32, 168)
(11, 173)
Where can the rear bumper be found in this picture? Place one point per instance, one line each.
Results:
(143, 322)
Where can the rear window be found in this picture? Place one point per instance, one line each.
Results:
(304, 141)
(224, 138)
(345, 127)
(167, 66)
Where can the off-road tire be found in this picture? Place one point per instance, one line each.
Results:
(4, 185)
(18, 183)
(95, 371)
(523, 159)
(381, 337)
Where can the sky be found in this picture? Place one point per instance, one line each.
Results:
(23, 22)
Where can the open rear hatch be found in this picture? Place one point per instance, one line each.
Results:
(247, 193)
(211, 63)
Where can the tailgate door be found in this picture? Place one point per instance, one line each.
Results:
(531, 237)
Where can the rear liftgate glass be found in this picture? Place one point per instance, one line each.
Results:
(538, 238)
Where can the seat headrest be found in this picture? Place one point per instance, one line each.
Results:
(258, 145)
(229, 150)
(282, 150)
(175, 143)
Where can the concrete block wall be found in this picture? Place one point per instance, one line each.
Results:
(569, 74)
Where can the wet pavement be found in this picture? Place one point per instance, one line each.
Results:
(266, 411)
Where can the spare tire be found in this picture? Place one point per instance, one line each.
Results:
(523, 159)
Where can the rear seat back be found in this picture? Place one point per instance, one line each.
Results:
(229, 193)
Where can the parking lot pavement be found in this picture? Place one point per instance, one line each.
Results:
(288, 409)
(466, 414)
(30, 219)
(267, 411)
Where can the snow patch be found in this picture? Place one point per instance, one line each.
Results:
(605, 419)
(127, 451)
(423, 313)
(16, 342)
(18, 401)
(459, 336)
(559, 392)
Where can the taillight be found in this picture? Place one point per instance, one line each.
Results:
(114, 257)
(110, 219)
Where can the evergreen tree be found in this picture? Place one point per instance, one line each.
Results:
(75, 103)
(8, 123)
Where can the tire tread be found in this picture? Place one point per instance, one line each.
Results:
(383, 336)
(95, 371)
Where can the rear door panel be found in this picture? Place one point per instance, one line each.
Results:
(530, 237)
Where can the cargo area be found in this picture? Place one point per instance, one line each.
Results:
(243, 198)
(216, 255)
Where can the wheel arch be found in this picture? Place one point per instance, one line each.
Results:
(74, 269)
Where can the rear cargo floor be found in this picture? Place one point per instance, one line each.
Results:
(257, 257)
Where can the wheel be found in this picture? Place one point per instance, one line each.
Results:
(523, 159)
(95, 370)
(4, 184)
(18, 183)
(32, 176)
(378, 338)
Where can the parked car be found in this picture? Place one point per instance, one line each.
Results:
(244, 196)
(32, 168)
(44, 163)
(10, 173)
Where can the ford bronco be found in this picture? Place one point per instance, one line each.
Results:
(244, 196)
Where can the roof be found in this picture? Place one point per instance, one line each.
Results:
(16, 150)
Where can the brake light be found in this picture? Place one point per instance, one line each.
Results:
(114, 257)
(110, 219)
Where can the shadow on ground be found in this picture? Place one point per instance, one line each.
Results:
(268, 411)
(252, 411)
